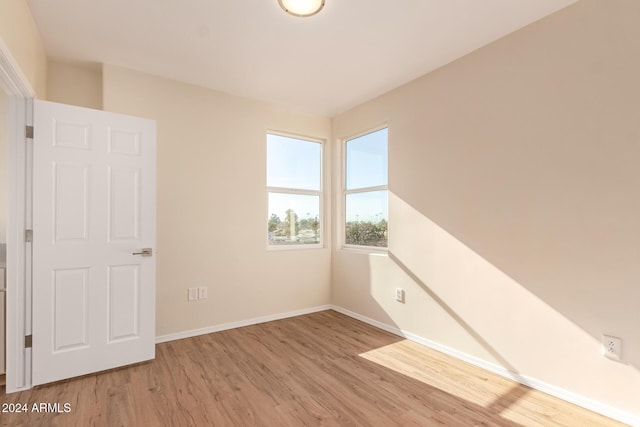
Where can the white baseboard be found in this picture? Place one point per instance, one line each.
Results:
(238, 324)
(576, 399)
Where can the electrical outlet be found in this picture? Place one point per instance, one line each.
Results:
(203, 292)
(611, 347)
(400, 295)
(192, 295)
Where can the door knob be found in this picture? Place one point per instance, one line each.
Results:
(144, 252)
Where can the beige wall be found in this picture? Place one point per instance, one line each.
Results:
(515, 212)
(20, 34)
(211, 205)
(75, 84)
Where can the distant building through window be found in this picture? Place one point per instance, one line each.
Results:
(294, 189)
(366, 210)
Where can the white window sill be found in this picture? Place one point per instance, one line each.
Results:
(375, 250)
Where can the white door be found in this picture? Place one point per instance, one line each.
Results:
(93, 214)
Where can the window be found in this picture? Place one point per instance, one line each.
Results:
(294, 190)
(365, 195)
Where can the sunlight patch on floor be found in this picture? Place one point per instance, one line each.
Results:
(512, 401)
(432, 368)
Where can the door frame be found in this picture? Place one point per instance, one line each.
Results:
(18, 296)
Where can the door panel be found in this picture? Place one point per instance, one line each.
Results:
(71, 135)
(124, 296)
(70, 309)
(124, 201)
(71, 188)
(93, 209)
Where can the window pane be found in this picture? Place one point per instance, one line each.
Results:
(293, 163)
(366, 160)
(294, 219)
(367, 217)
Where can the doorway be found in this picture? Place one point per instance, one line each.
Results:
(117, 324)
(18, 93)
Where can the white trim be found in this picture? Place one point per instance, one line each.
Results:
(362, 249)
(294, 246)
(294, 135)
(367, 189)
(18, 303)
(239, 324)
(576, 399)
(283, 190)
(12, 79)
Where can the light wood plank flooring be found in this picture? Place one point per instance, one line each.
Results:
(319, 369)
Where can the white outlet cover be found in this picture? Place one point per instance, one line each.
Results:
(203, 292)
(192, 295)
(612, 347)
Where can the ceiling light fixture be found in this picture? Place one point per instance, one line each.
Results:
(301, 7)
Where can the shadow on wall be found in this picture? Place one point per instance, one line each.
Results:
(457, 299)
(459, 320)
(456, 295)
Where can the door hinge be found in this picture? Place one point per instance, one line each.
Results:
(28, 236)
(29, 132)
(28, 341)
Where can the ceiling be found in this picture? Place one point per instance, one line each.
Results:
(352, 51)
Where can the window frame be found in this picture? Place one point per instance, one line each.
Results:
(296, 191)
(345, 192)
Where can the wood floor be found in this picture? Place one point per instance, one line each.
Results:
(319, 369)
